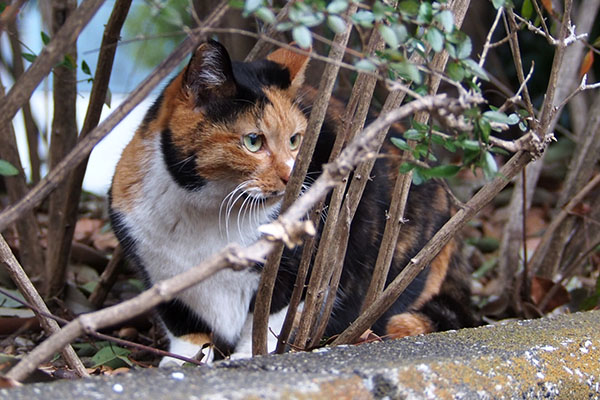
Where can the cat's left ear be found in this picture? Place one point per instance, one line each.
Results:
(294, 62)
(209, 73)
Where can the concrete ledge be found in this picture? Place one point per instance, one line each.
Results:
(551, 358)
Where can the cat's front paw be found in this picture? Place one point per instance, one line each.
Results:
(238, 355)
(170, 362)
(196, 346)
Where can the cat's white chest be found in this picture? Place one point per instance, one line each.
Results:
(177, 229)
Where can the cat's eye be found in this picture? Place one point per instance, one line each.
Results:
(295, 141)
(253, 142)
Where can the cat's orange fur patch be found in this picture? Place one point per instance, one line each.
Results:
(130, 172)
(408, 324)
(437, 274)
(199, 339)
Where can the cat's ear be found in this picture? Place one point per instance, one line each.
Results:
(209, 73)
(295, 63)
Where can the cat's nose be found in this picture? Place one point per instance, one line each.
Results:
(285, 178)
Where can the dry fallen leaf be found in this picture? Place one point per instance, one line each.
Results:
(540, 286)
(586, 64)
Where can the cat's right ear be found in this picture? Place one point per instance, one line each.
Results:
(294, 62)
(209, 73)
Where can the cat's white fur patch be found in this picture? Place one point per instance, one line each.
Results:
(244, 345)
(187, 349)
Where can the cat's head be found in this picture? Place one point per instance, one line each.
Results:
(232, 122)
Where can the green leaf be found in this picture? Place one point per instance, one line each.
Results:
(89, 287)
(486, 244)
(364, 18)
(45, 38)
(284, 26)
(400, 143)
(476, 69)
(311, 19)
(365, 65)
(446, 19)
(406, 167)
(438, 140)
(486, 129)
(388, 35)
(85, 68)
(527, 9)
(252, 5)
(490, 168)
(450, 145)
(401, 32)
(7, 169)
(337, 6)
(68, 62)
(29, 57)
(409, 7)
(498, 3)
(111, 356)
(266, 15)
(455, 71)
(418, 177)
(513, 119)
(407, 71)
(413, 134)
(470, 144)
(443, 171)
(425, 14)
(336, 24)
(419, 126)
(7, 302)
(464, 48)
(302, 36)
(497, 116)
(435, 39)
(451, 49)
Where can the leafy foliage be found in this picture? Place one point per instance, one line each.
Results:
(414, 30)
(7, 169)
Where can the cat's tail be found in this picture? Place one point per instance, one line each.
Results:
(445, 303)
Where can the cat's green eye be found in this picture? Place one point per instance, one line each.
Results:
(253, 142)
(295, 141)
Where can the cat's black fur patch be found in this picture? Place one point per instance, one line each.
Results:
(182, 167)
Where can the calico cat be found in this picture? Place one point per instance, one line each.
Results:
(209, 164)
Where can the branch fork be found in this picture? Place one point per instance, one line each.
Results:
(290, 233)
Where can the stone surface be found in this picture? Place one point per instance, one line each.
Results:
(552, 358)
